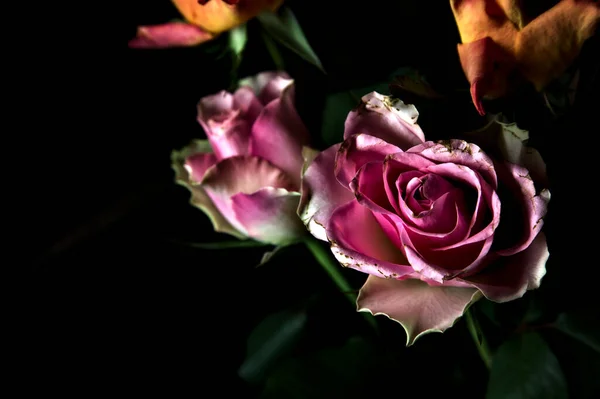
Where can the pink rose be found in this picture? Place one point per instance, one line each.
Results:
(246, 176)
(435, 225)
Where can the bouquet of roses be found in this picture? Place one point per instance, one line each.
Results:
(438, 225)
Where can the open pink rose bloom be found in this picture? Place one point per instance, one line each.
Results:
(435, 225)
(246, 176)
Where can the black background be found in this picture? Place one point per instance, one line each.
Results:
(116, 305)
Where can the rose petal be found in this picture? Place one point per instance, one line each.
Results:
(445, 224)
(547, 46)
(226, 128)
(459, 152)
(369, 189)
(404, 162)
(510, 277)
(246, 101)
(440, 217)
(441, 266)
(376, 255)
(357, 150)
(198, 164)
(203, 202)
(487, 68)
(514, 151)
(279, 134)
(183, 174)
(174, 34)
(486, 215)
(218, 16)
(388, 119)
(269, 215)
(244, 174)
(321, 192)
(507, 141)
(418, 307)
(217, 107)
(268, 86)
(199, 198)
(275, 88)
(240, 174)
(395, 184)
(532, 207)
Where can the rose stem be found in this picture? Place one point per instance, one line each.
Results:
(479, 339)
(332, 267)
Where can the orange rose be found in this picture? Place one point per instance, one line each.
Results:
(218, 16)
(501, 44)
(204, 19)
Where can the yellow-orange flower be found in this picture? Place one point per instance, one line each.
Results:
(218, 16)
(204, 19)
(500, 42)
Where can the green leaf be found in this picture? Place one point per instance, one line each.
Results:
(335, 372)
(273, 51)
(525, 368)
(273, 338)
(336, 109)
(270, 255)
(581, 327)
(238, 37)
(286, 30)
(223, 244)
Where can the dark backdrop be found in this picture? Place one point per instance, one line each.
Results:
(116, 304)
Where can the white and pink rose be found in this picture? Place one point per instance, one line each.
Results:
(435, 225)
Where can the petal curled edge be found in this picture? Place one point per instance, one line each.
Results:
(511, 276)
(515, 151)
(268, 85)
(203, 202)
(278, 135)
(386, 118)
(534, 206)
(240, 174)
(199, 198)
(269, 215)
(173, 34)
(224, 120)
(358, 241)
(459, 152)
(358, 150)
(321, 192)
(419, 308)
(184, 173)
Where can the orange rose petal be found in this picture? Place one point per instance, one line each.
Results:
(497, 37)
(218, 16)
(549, 44)
(487, 67)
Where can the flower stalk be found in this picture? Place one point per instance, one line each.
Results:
(332, 268)
(479, 339)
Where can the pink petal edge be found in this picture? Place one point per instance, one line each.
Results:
(321, 192)
(173, 34)
(278, 135)
(418, 307)
(387, 118)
